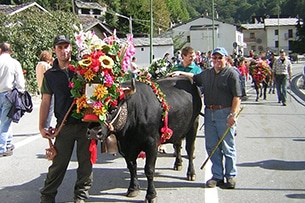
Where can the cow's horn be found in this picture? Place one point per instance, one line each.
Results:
(132, 89)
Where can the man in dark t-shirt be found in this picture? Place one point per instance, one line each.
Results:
(222, 98)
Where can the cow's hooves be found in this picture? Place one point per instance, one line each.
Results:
(177, 168)
(132, 193)
(154, 200)
(191, 177)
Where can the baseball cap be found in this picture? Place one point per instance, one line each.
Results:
(282, 51)
(220, 50)
(61, 39)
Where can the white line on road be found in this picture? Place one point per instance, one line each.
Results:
(211, 194)
(27, 140)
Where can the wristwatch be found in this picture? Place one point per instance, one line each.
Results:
(232, 114)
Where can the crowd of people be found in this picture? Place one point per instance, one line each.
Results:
(220, 77)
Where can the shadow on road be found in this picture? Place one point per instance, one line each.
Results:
(276, 165)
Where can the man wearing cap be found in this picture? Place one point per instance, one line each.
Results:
(56, 82)
(222, 98)
(282, 70)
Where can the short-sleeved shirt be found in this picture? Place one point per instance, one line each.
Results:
(193, 68)
(56, 82)
(219, 89)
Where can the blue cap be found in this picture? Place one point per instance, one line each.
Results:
(220, 50)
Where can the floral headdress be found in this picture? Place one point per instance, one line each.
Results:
(99, 72)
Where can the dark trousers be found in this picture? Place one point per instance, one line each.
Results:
(64, 145)
(281, 87)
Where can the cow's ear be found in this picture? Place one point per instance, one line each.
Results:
(130, 90)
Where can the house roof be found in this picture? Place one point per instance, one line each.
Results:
(142, 42)
(280, 21)
(13, 9)
(89, 22)
(253, 26)
(89, 5)
(271, 22)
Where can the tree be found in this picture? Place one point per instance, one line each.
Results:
(29, 35)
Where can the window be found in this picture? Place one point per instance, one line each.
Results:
(276, 32)
(188, 39)
(276, 44)
(290, 44)
(290, 33)
(252, 35)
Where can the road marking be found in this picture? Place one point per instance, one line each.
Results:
(211, 194)
(27, 141)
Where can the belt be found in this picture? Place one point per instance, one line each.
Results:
(216, 107)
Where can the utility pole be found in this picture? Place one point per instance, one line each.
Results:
(151, 32)
(213, 25)
(278, 27)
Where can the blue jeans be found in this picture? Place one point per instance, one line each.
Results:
(224, 158)
(6, 135)
(281, 87)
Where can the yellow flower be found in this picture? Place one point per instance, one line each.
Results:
(89, 75)
(85, 62)
(100, 91)
(81, 103)
(106, 61)
(99, 110)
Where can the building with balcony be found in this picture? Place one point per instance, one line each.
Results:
(270, 34)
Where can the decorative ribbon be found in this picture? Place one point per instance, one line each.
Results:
(93, 150)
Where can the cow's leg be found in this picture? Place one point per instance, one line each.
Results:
(134, 186)
(151, 157)
(178, 161)
(190, 148)
(265, 86)
(257, 92)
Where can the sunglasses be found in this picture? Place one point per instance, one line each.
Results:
(217, 57)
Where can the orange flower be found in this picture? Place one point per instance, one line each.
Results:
(89, 75)
(100, 91)
(99, 109)
(81, 103)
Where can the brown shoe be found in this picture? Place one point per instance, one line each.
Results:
(231, 183)
(7, 153)
(213, 182)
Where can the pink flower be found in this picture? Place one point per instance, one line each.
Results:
(108, 80)
(71, 84)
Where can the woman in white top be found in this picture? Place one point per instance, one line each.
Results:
(45, 63)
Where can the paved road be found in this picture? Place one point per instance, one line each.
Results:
(271, 163)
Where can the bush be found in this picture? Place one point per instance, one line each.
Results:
(30, 32)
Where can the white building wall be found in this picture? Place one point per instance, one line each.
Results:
(202, 39)
(143, 54)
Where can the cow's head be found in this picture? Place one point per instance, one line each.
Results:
(115, 118)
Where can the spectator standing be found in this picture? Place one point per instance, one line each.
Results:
(179, 57)
(56, 82)
(282, 70)
(44, 64)
(243, 74)
(222, 98)
(208, 63)
(134, 67)
(168, 60)
(11, 76)
(188, 64)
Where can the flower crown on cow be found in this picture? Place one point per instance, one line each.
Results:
(99, 72)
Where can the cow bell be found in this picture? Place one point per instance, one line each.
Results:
(110, 145)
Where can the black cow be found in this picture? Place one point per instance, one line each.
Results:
(140, 130)
(261, 75)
